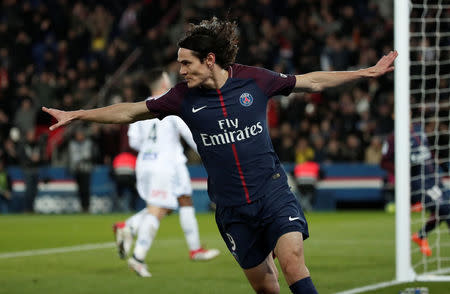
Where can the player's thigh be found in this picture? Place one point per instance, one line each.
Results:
(243, 234)
(143, 181)
(252, 231)
(290, 248)
(290, 254)
(286, 217)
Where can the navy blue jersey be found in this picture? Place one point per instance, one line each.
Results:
(230, 129)
(425, 173)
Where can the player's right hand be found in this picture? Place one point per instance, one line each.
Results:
(63, 117)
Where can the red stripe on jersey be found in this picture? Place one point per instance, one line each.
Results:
(241, 175)
(236, 158)
(222, 103)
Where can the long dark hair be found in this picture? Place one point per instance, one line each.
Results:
(213, 36)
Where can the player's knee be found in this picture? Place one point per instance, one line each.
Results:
(293, 271)
(293, 264)
(185, 200)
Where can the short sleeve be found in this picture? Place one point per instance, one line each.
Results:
(278, 83)
(272, 83)
(134, 136)
(168, 103)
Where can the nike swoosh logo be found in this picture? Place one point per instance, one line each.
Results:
(194, 110)
(293, 218)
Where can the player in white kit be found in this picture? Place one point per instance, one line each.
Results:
(161, 171)
(163, 181)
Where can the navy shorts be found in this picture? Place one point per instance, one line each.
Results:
(251, 231)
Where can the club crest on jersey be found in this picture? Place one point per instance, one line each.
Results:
(246, 99)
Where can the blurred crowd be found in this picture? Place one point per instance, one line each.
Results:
(86, 53)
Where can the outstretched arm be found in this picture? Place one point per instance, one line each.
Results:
(321, 80)
(121, 113)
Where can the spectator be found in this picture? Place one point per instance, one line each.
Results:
(304, 128)
(303, 151)
(318, 144)
(8, 151)
(51, 42)
(128, 21)
(25, 117)
(286, 148)
(373, 152)
(333, 151)
(31, 157)
(353, 150)
(81, 153)
(348, 117)
(385, 122)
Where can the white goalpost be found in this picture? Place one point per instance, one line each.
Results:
(422, 98)
(422, 79)
(402, 163)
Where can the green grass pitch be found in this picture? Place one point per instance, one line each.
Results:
(346, 250)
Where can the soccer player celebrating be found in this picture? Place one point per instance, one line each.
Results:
(224, 105)
(163, 181)
(426, 188)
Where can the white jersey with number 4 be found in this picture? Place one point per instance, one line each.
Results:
(161, 172)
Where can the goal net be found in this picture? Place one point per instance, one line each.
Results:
(427, 129)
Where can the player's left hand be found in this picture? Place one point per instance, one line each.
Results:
(384, 65)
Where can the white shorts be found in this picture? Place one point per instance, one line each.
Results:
(163, 185)
(182, 181)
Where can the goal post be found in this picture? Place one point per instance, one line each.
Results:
(402, 147)
(423, 44)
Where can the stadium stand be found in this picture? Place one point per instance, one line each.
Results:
(88, 53)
